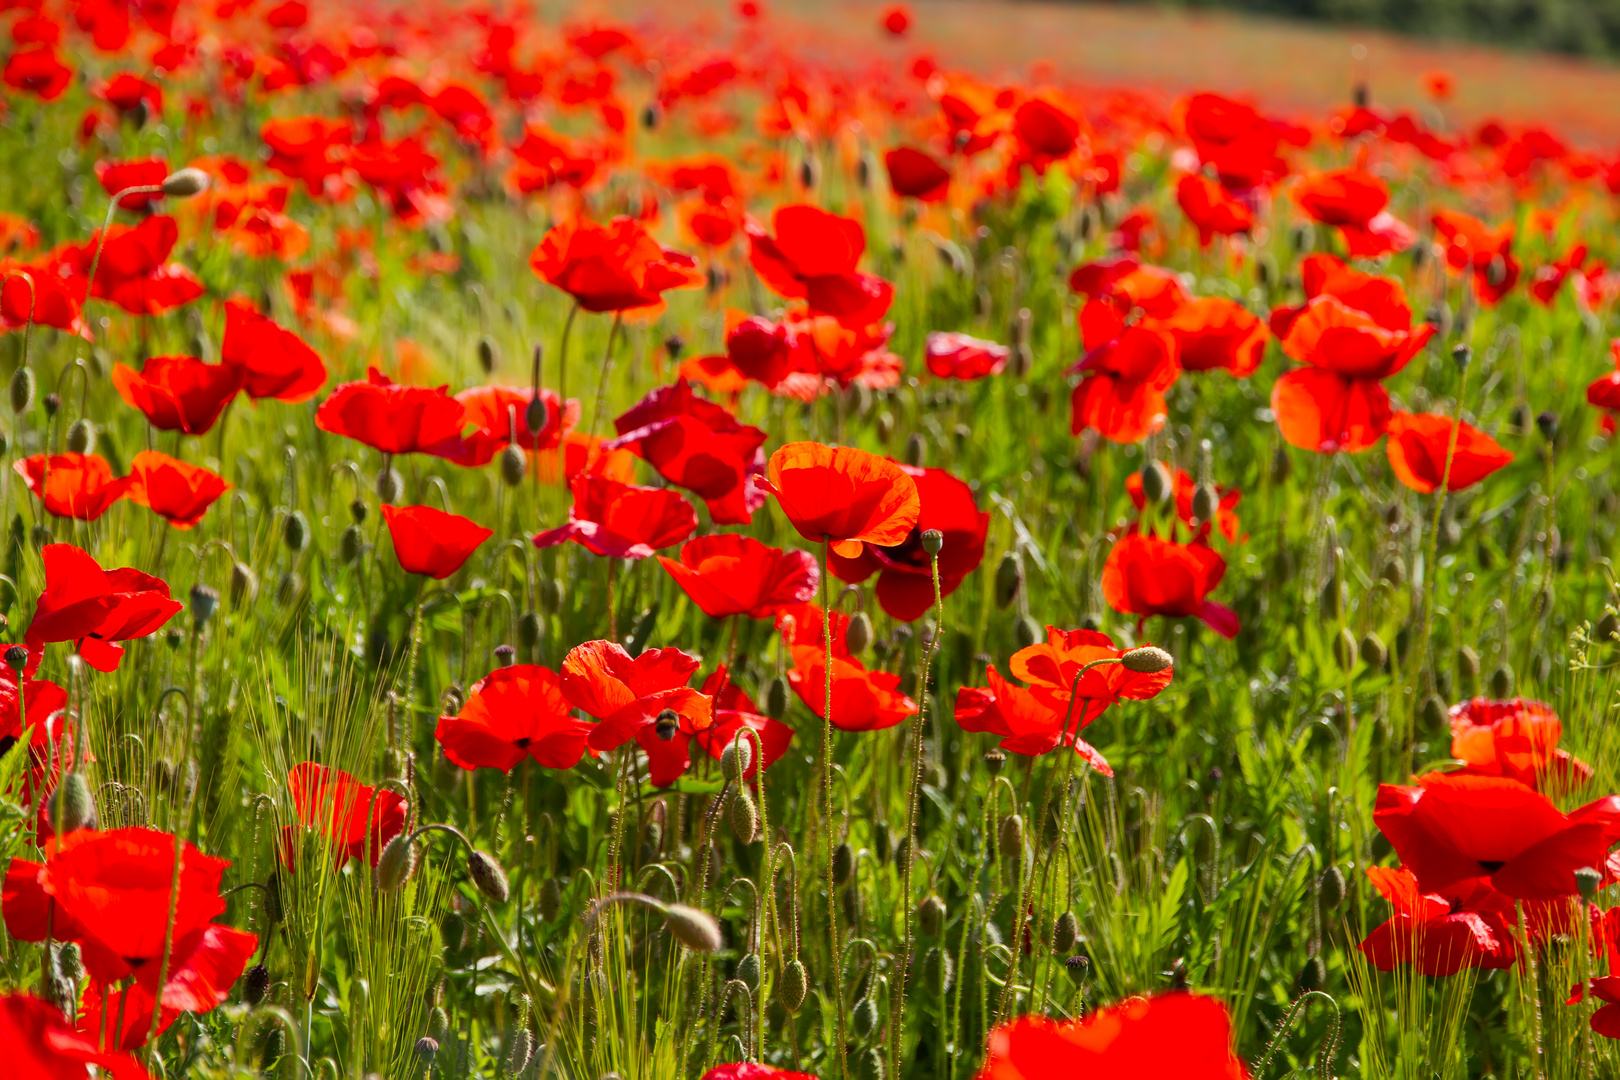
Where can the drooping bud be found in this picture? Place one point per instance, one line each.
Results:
(204, 601)
(1026, 631)
(357, 511)
(916, 450)
(858, 635)
(1502, 682)
(390, 487)
(792, 987)
(53, 404)
(244, 584)
(1434, 712)
(744, 816)
(864, 1017)
(1344, 648)
(882, 841)
(1012, 836)
(514, 465)
(273, 910)
(1461, 354)
(1206, 502)
(1374, 653)
(350, 543)
(843, 863)
(530, 629)
(289, 588)
(81, 437)
(736, 759)
(295, 531)
(1009, 579)
(487, 874)
(748, 971)
(184, 183)
(397, 862)
(452, 930)
(71, 807)
(255, 984)
(1146, 660)
(1330, 889)
(22, 390)
(931, 915)
(695, 929)
(1156, 481)
(776, 698)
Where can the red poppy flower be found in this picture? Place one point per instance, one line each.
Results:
(115, 176)
(96, 608)
(1470, 926)
(1028, 724)
(622, 520)
(905, 585)
(496, 412)
(178, 393)
(78, 486)
(1381, 298)
(275, 362)
(1211, 209)
(514, 713)
(133, 1006)
(1178, 1034)
(803, 624)
(1354, 200)
(41, 1046)
(643, 698)
(432, 542)
(1046, 127)
(1606, 1020)
(1418, 443)
(41, 698)
(1233, 138)
(698, 445)
(1517, 739)
(1548, 279)
(726, 574)
(1183, 488)
(844, 495)
(392, 418)
(38, 71)
(613, 267)
(1122, 393)
(54, 299)
(1604, 391)
(1213, 333)
(133, 272)
(1145, 576)
(735, 711)
(958, 356)
(812, 256)
(336, 805)
(112, 893)
(1472, 245)
(1450, 828)
(178, 492)
(1050, 668)
(915, 174)
(1332, 335)
(126, 90)
(861, 700)
(750, 1070)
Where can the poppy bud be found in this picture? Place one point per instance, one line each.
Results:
(1076, 968)
(244, 584)
(1587, 882)
(748, 972)
(931, 915)
(843, 864)
(514, 465)
(1344, 648)
(1467, 665)
(809, 173)
(858, 635)
(70, 961)
(1373, 651)
(1065, 932)
(295, 531)
(551, 594)
(522, 1049)
(203, 602)
(902, 851)
(289, 588)
(17, 658)
(1156, 482)
(1434, 711)
(184, 183)
(1012, 836)
(536, 414)
(5, 444)
(1439, 317)
(255, 984)
(776, 698)
(1026, 631)
(71, 806)
(427, 1048)
(1547, 424)
(744, 816)
(916, 450)
(1311, 976)
(1330, 889)
(994, 759)
(52, 403)
(488, 355)
(792, 987)
(272, 899)
(452, 930)
(882, 841)
(1332, 602)
(735, 760)
(22, 390)
(487, 874)
(273, 1043)
(1146, 660)
(1282, 466)
(649, 115)
(81, 437)
(1206, 502)
(1394, 571)
(530, 629)
(1502, 682)
(666, 725)
(550, 901)
(885, 426)
(695, 929)
(357, 511)
(864, 1017)
(350, 543)
(933, 541)
(863, 171)
(390, 486)
(1009, 579)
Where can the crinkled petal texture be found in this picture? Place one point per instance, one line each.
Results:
(627, 694)
(622, 520)
(844, 495)
(176, 491)
(1418, 446)
(432, 542)
(1326, 413)
(613, 267)
(1028, 723)
(1174, 1036)
(39, 1045)
(1145, 576)
(697, 445)
(1332, 335)
(80, 486)
(861, 700)
(1450, 828)
(514, 713)
(1440, 935)
(178, 393)
(338, 806)
(390, 418)
(273, 361)
(727, 574)
(1518, 739)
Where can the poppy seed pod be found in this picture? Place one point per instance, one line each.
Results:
(1374, 653)
(396, 863)
(514, 465)
(1009, 579)
(1502, 683)
(295, 531)
(22, 390)
(931, 915)
(550, 900)
(1077, 968)
(255, 984)
(1461, 355)
(735, 760)
(71, 806)
(1587, 882)
(776, 698)
(184, 183)
(81, 437)
(858, 635)
(1156, 482)
(933, 541)
(1146, 660)
(864, 1017)
(487, 874)
(1065, 932)
(916, 450)
(792, 987)
(695, 929)
(1012, 836)
(744, 817)
(17, 658)
(204, 601)
(994, 760)
(843, 864)
(427, 1048)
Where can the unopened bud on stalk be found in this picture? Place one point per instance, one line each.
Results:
(1009, 579)
(1146, 660)
(1587, 882)
(1282, 466)
(71, 805)
(255, 984)
(452, 930)
(397, 862)
(550, 901)
(1206, 502)
(1012, 836)
(52, 403)
(244, 584)
(882, 841)
(203, 602)
(858, 635)
(184, 183)
(695, 929)
(390, 486)
(514, 465)
(931, 915)
(295, 531)
(843, 864)
(916, 450)
(1547, 424)
(776, 698)
(70, 961)
(1344, 649)
(1434, 712)
(488, 355)
(1065, 932)
(1467, 664)
(536, 415)
(744, 816)
(1312, 975)
(1156, 481)
(522, 1049)
(272, 900)
(885, 426)
(1502, 682)
(748, 972)
(487, 874)
(1330, 889)
(1374, 653)
(735, 760)
(1026, 631)
(22, 390)
(289, 588)
(792, 987)
(350, 543)
(864, 1017)
(81, 437)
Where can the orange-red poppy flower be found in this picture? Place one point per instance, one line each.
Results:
(1418, 445)
(698, 445)
(1216, 334)
(843, 495)
(644, 698)
(1122, 393)
(1234, 139)
(812, 255)
(497, 413)
(41, 1045)
(41, 698)
(1051, 668)
(392, 418)
(432, 542)
(38, 71)
(1380, 298)
(1467, 927)
(916, 174)
(1471, 245)
(1146, 576)
(862, 700)
(274, 361)
(134, 274)
(514, 713)
(1517, 739)
(803, 624)
(115, 176)
(726, 574)
(958, 356)
(1027, 724)
(905, 585)
(96, 608)
(1211, 208)
(1178, 1034)
(78, 486)
(174, 490)
(621, 520)
(1354, 200)
(178, 393)
(613, 267)
(1183, 489)
(338, 807)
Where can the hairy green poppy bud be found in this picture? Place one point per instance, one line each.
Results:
(255, 984)
(1206, 502)
(1009, 579)
(1077, 968)
(23, 386)
(882, 841)
(1065, 932)
(244, 584)
(931, 915)
(1547, 424)
(1311, 976)
(1012, 836)
(390, 486)
(452, 930)
(858, 635)
(938, 970)
(864, 1017)
(744, 816)
(397, 862)
(1156, 482)
(869, 1065)
(748, 971)
(204, 601)
(1467, 665)
(792, 987)
(1026, 631)
(916, 449)
(521, 1050)
(550, 900)
(438, 1022)
(1330, 889)
(350, 543)
(1502, 682)
(530, 629)
(70, 961)
(695, 929)
(273, 910)
(1344, 649)
(843, 864)
(71, 807)
(514, 465)
(357, 511)
(1587, 882)
(53, 404)
(81, 437)
(488, 355)
(487, 874)
(1434, 712)
(1146, 660)
(1373, 651)
(295, 531)
(184, 183)
(776, 698)
(736, 759)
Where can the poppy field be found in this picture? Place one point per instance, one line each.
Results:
(539, 547)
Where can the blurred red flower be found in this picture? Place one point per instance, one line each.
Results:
(79, 486)
(274, 362)
(1354, 200)
(133, 272)
(41, 1046)
(1517, 739)
(897, 19)
(958, 356)
(432, 542)
(613, 267)
(175, 491)
(1211, 209)
(1125, 377)
(621, 520)
(1606, 1019)
(337, 806)
(727, 574)
(115, 176)
(1471, 245)
(1147, 576)
(178, 393)
(1418, 445)
(916, 174)
(1468, 927)
(696, 444)
(812, 255)
(1184, 1035)
(1183, 489)
(1213, 333)
(496, 413)
(844, 495)
(38, 71)
(511, 714)
(392, 418)
(96, 608)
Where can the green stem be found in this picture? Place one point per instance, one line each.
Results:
(836, 957)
